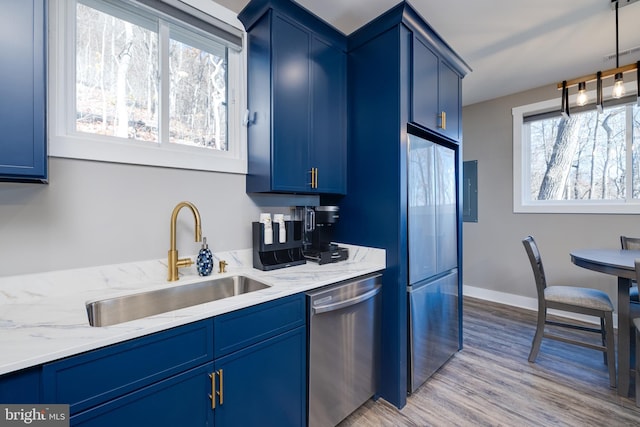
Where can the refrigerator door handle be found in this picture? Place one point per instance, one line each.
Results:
(346, 303)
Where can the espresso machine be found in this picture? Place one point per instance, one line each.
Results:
(318, 227)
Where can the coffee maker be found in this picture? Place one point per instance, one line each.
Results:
(318, 227)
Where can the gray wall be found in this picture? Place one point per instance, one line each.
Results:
(494, 258)
(95, 213)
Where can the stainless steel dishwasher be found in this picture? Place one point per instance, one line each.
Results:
(344, 348)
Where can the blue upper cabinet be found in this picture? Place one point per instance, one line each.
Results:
(297, 100)
(449, 101)
(23, 145)
(436, 90)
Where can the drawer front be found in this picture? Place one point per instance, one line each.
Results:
(242, 328)
(97, 376)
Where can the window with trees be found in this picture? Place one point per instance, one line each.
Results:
(155, 82)
(588, 162)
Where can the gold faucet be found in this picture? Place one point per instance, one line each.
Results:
(174, 261)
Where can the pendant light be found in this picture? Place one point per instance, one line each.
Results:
(618, 89)
(582, 98)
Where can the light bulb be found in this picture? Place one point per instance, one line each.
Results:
(582, 98)
(618, 86)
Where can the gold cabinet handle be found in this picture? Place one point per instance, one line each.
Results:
(313, 175)
(443, 120)
(212, 396)
(221, 390)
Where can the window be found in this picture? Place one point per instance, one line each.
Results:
(152, 82)
(586, 163)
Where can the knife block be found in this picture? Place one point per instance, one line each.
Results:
(277, 255)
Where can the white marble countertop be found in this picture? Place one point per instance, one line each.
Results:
(43, 316)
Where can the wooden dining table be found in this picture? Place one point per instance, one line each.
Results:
(619, 263)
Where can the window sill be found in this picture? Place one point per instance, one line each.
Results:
(148, 154)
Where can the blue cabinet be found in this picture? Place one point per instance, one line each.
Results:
(21, 387)
(449, 98)
(261, 364)
(297, 100)
(23, 145)
(401, 74)
(264, 384)
(246, 367)
(435, 89)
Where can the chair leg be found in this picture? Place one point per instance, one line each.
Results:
(611, 350)
(637, 367)
(604, 339)
(537, 338)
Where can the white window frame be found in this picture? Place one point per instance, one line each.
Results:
(522, 202)
(65, 142)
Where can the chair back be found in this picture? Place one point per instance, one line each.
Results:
(631, 243)
(536, 264)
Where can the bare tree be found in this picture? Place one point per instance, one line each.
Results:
(558, 167)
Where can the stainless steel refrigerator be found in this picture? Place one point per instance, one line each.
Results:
(433, 258)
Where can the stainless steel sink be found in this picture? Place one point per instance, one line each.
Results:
(116, 310)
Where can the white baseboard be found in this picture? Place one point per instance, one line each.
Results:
(525, 302)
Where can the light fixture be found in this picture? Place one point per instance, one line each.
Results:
(599, 101)
(564, 109)
(618, 90)
(618, 86)
(582, 98)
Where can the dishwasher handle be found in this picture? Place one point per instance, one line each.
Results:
(346, 303)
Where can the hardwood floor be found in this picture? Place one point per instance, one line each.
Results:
(491, 383)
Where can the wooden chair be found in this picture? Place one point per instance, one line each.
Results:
(632, 243)
(573, 299)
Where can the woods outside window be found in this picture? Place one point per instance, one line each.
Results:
(132, 82)
(586, 163)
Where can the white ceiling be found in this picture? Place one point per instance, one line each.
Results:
(511, 45)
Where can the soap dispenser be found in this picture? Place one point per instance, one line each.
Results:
(205, 259)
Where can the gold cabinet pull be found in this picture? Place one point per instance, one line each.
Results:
(314, 177)
(212, 396)
(443, 120)
(221, 390)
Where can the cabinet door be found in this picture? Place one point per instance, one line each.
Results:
(449, 96)
(181, 400)
(425, 108)
(22, 104)
(329, 148)
(264, 384)
(291, 106)
(21, 387)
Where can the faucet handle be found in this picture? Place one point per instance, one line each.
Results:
(222, 265)
(184, 262)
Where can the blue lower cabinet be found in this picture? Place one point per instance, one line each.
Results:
(256, 373)
(90, 379)
(21, 387)
(182, 400)
(265, 384)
